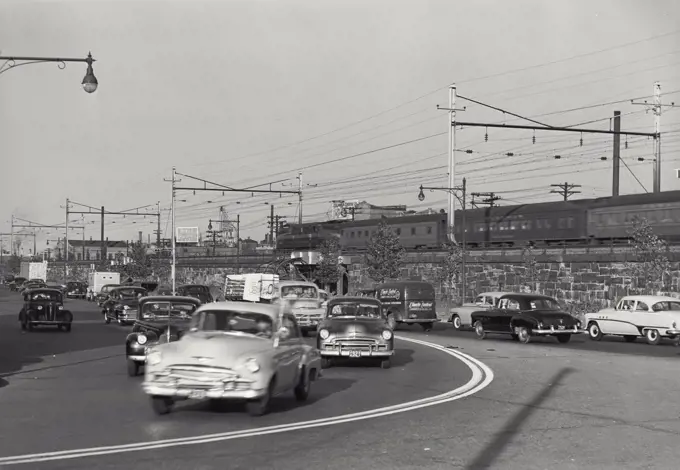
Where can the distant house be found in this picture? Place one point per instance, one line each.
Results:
(91, 249)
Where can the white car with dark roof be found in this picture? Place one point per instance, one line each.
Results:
(653, 317)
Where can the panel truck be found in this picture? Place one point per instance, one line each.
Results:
(97, 280)
(34, 270)
(253, 287)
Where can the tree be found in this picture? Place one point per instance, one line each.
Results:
(139, 265)
(652, 265)
(451, 269)
(530, 276)
(328, 271)
(14, 264)
(385, 254)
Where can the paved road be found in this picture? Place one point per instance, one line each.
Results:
(82, 397)
(606, 405)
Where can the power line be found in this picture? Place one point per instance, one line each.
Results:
(565, 190)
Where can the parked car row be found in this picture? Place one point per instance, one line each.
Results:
(524, 316)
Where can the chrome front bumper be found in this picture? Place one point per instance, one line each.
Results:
(555, 331)
(187, 392)
(351, 353)
(419, 320)
(48, 322)
(673, 332)
(136, 357)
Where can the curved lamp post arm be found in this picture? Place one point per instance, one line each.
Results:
(89, 82)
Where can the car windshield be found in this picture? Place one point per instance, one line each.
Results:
(299, 292)
(666, 305)
(130, 293)
(252, 323)
(355, 309)
(197, 290)
(544, 304)
(165, 309)
(45, 296)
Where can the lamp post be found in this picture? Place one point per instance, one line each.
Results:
(454, 192)
(89, 82)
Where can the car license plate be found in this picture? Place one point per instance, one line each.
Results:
(354, 353)
(197, 394)
(561, 327)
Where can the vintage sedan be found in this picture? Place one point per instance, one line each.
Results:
(198, 291)
(44, 307)
(461, 316)
(33, 284)
(305, 300)
(121, 304)
(233, 351)
(103, 294)
(160, 319)
(75, 289)
(524, 316)
(355, 327)
(654, 317)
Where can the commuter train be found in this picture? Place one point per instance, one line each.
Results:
(597, 221)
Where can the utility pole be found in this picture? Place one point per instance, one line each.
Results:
(11, 238)
(489, 199)
(657, 108)
(299, 198)
(174, 180)
(452, 160)
(101, 212)
(158, 229)
(616, 155)
(66, 242)
(565, 190)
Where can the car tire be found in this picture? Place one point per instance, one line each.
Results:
(427, 326)
(514, 337)
(392, 322)
(456, 322)
(594, 331)
(107, 320)
(304, 386)
(132, 368)
(29, 326)
(326, 362)
(629, 338)
(563, 339)
(305, 333)
(653, 337)
(260, 407)
(479, 330)
(524, 335)
(23, 326)
(162, 405)
(385, 364)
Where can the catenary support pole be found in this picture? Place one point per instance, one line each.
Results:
(616, 157)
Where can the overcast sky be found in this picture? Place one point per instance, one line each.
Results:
(249, 92)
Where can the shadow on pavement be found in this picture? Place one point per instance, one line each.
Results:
(321, 389)
(490, 453)
(19, 349)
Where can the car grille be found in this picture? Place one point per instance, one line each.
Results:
(355, 344)
(199, 377)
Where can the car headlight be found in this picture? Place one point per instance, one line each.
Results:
(324, 334)
(39, 307)
(252, 365)
(154, 357)
(387, 334)
(578, 324)
(125, 307)
(61, 307)
(142, 339)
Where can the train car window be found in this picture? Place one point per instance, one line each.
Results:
(365, 233)
(342, 232)
(398, 231)
(513, 225)
(359, 234)
(352, 235)
(429, 230)
(570, 222)
(413, 230)
(560, 223)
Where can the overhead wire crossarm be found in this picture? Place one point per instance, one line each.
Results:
(558, 129)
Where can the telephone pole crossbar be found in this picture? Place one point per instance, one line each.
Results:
(489, 199)
(557, 129)
(565, 190)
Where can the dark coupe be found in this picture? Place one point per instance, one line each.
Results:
(75, 289)
(526, 315)
(44, 307)
(355, 327)
(160, 319)
(198, 291)
(121, 304)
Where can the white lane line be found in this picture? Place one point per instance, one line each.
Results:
(482, 376)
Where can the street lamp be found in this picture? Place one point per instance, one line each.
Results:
(454, 193)
(89, 82)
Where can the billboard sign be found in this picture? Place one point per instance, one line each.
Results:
(186, 235)
(343, 210)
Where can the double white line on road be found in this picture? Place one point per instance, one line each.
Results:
(482, 376)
